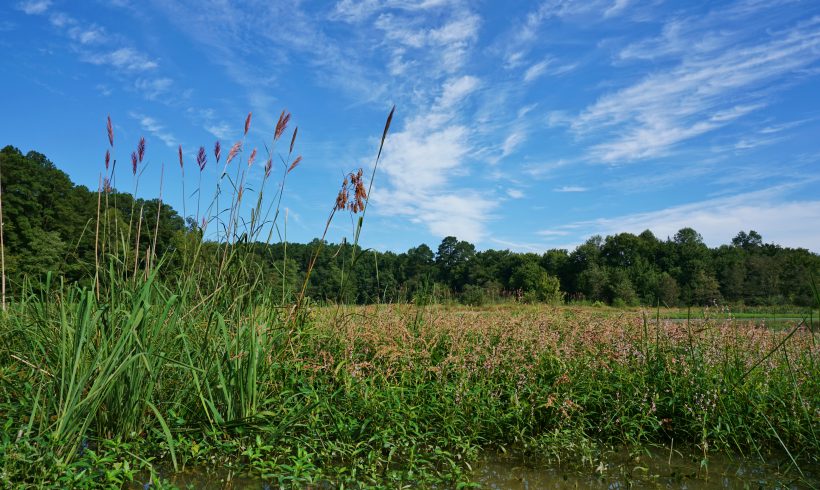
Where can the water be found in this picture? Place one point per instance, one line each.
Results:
(649, 470)
(652, 469)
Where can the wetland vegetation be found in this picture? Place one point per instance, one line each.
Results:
(133, 351)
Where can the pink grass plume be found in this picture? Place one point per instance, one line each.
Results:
(201, 158)
(110, 130)
(141, 149)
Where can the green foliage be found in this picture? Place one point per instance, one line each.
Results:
(473, 296)
(536, 283)
(51, 226)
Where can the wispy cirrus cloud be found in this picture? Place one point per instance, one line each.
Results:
(152, 88)
(360, 10)
(790, 222)
(546, 67)
(92, 44)
(127, 59)
(155, 128)
(701, 94)
(445, 45)
(518, 46)
(34, 7)
(571, 188)
(553, 233)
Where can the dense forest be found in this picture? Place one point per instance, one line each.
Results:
(50, 226)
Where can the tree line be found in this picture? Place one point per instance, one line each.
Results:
(50, 225)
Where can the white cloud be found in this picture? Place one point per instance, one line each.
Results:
(751, 143)
(462, 214)
(618, 6)
(416, 157)
(519, 247)
(524, 35)
(456, 89)
(448, 45)
(88, 35)
(545, 169)
(127, 59)
(543, 67)
(76, 31)
(788, 223)
(461, 29)
(551, 233)
(397, 65)
(515, 193)
(512, 142)
(514, 59)
(421, 161)
(60, 19)
(777, 128)
(359, 10)
(535, 71)
(354, 10)
(526, 110)
(151, 88)
(155, 128)
(221, 130)
(571, 188)
(699, 95)
(679, 37)
(34, 7)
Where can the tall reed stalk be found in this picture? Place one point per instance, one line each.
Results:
(2, 246)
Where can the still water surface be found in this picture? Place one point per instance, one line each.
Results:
(653, 469)
(649, 470)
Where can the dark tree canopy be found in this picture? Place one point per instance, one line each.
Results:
(50, 226)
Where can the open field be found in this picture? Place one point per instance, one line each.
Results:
(95, 395)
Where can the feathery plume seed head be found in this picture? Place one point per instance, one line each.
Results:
(204, 224)
(295, 163)
(217, 150)
(233, 152)
(180, 156)
(268, 166)
(141, 149)
(134, 162)
(352, 183)
(360, 194)
(281, 125)
(252, 157)
(107, 185)
(107, 158)
(247, 123)
(341, 198)
(110, 129)
(201, 158)
(293, 138)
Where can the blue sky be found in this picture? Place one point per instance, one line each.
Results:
(521, 125)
